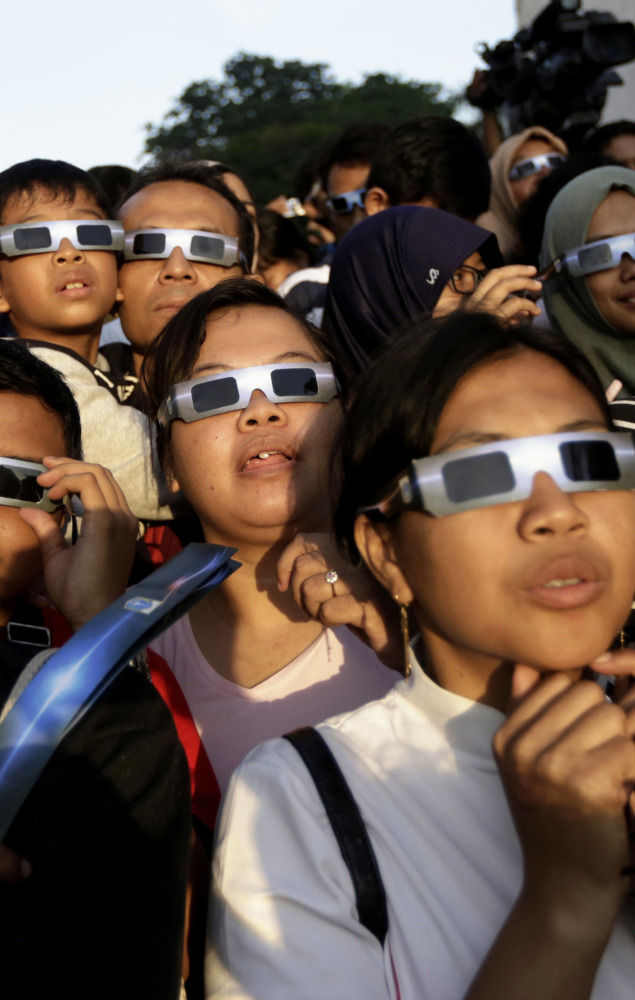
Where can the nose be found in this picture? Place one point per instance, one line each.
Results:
(67, 252)
(261, 411)
(549, 511)
(177, 267)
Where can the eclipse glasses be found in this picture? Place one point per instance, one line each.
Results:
(503, 472)
(197, 245)
(226, 391)
(599, 256)
(43, 237)
(340, 204)
(19, 486)
(534, 164)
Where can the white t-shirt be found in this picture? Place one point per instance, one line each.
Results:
(420, 765)
(336, 673)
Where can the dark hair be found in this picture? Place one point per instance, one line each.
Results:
(601, 136)
(533, 212)
(114, 180)
(398, 403)
(355, 146)
(280, 239)
(60, 179)
(194, 172)
(438, 158)
(25, 374)
(173, 353)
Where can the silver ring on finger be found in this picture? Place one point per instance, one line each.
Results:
(332, 576)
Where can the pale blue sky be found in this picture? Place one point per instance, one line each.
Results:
(79, 82)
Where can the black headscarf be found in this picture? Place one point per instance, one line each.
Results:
(392, 267)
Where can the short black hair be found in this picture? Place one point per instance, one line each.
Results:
(280, 239)
(438, 158)
(25, 374)
(399, 401)
(601, 136)
(355, 146)
(114, 178)
(173, 353)
(195, 172)
(59, 178)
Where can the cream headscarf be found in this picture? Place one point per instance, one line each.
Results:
(568, 301)
(502, 216)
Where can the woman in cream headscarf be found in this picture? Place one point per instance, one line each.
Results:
(597, 310)
(509, 194)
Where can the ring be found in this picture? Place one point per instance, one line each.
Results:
(331, 576)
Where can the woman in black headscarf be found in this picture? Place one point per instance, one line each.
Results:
(406, 261)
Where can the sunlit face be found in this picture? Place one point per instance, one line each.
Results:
(449, 300)
(154, 290)
(239, 497)
(28, 431)
(524, 188)
(67, 291)
(614, 290)
(547, 581)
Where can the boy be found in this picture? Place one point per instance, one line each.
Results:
(104, 831)
(58, 281)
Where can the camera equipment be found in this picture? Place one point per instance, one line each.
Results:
(556, 71)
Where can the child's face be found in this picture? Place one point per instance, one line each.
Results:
(28, 431)
(67, 291)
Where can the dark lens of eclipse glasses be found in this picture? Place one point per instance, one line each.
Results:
(15, 487)
(480, 476)
(294, 382)
(213, 395)
(208, 246)
(96, 236)
(32, 239)
(589, 461)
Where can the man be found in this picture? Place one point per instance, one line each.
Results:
(182, 205)
(344, 176)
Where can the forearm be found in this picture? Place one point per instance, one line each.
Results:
(546, 951)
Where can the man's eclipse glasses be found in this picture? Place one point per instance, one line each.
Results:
(197, 245)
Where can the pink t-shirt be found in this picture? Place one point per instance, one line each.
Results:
(336, 673)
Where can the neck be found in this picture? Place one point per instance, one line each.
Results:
(137, 359)
(84, 342)
(247, 629)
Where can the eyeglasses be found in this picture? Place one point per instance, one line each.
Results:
(19, 486)
(39, 237)
(340, 204)
(534, 164)
(503, 472)
(212, 394)
(598, 256)
(466, 279)
(196, 244)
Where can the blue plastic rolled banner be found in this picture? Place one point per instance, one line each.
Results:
(74, 677)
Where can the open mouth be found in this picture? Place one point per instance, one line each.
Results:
(266, 458)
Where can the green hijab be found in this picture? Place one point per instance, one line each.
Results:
(570, 306)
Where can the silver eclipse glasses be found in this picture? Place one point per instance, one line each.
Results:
(503, 472)
(44, 237)
(197, 245)
(598, 256)
(19, 486)
(340, 204)
(534, 164)
(232, 390)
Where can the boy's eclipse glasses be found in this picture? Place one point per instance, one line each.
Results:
(503, 472)
(599, 256)
(226, 391)
(44, 237)
(340, 204)
(534, 164)
(197, 245)
(19, 486)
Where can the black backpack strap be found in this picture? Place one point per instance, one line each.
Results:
(348, 827)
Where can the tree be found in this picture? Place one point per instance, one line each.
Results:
(264, 118)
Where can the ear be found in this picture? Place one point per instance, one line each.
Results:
(4, 305)
(374, 539)
(119, 295)
(376, 200)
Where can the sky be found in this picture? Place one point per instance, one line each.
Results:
(80, 82)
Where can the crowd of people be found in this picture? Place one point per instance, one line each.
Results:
(393, 754)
